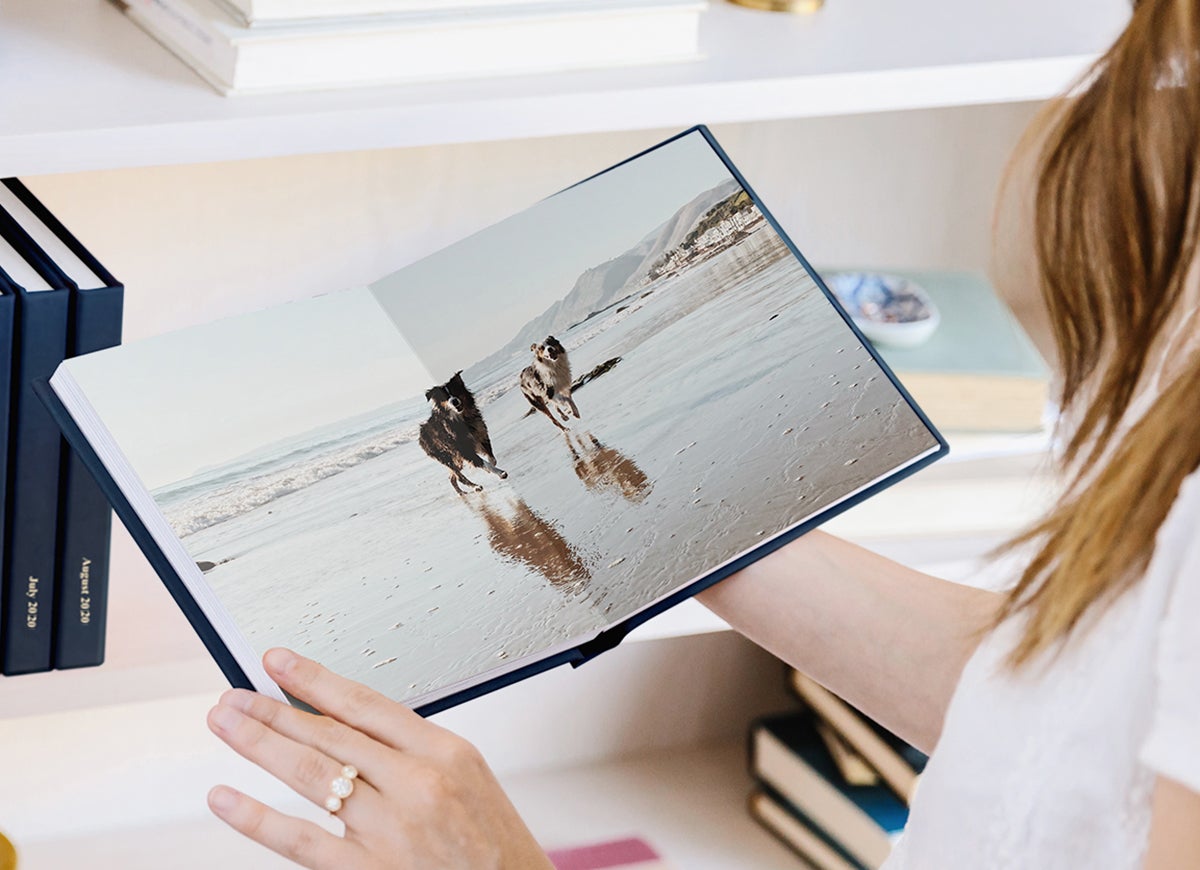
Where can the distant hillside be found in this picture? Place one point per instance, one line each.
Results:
(606, 284)
(731, 216)
(722, 211)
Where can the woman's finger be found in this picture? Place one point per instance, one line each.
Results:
(347, 701)
(295, 839)
(308, 771)
(329, 736)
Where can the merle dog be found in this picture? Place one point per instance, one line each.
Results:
(546, 382)
(447, 437)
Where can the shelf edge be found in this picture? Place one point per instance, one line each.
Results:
(329, 130)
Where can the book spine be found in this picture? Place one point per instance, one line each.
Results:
(818, 848)
(85, 518)
(7, 320)
(34, 455)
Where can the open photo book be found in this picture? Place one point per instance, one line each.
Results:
(504, 456)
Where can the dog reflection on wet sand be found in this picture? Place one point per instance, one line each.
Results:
(605, 468)
(516, 532)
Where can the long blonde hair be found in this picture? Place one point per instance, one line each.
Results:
(1117, 225)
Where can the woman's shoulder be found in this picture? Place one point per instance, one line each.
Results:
(1177, 536)
(1173, 745)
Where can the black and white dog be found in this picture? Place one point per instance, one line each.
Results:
(473, 417)
(546, 382)
(448, 435)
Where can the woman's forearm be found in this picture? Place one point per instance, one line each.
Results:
(890, 640)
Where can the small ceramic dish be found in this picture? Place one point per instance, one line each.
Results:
(887, 308)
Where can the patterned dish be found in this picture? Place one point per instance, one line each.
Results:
(887, 308)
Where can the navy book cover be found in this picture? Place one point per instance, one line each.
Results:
(34, 455)
(7, 321)
(85, 517)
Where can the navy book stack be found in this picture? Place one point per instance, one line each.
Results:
(33, 458)
(58, 524)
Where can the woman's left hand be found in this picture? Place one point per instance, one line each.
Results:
(424, 797)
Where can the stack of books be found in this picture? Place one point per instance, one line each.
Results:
(254, 46)
(56, 301)
(831, 784)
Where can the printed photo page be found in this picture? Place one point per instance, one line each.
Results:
(503, 449)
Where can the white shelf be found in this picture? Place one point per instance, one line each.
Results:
(90, 771)
(689, 805)
(89, 90)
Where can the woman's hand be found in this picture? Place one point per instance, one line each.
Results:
(423, 797)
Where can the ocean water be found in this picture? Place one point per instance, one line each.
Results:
(741, 405)
(221, 493)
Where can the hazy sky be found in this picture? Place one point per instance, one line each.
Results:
(219, 391)
(466, 301)
(215, 392)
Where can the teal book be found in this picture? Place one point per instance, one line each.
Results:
(979, 371)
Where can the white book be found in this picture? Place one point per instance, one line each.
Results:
(268, 13)
(418, 47)
(19, 270)
(55, 248)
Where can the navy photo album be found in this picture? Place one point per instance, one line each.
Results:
(502, 457)
(56, 301)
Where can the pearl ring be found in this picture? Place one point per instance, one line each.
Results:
(341, 788)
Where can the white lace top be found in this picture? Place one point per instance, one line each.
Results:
(1054, 767)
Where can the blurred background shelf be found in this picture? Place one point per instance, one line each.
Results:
(95, 92)
(876, 131)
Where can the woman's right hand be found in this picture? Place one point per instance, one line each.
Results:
(423, 796)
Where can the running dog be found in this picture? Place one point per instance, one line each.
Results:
(473, 417)
(546, 382)
(446, 437)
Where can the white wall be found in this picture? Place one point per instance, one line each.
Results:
(197, 242)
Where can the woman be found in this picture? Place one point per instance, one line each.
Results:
(1065, 712)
